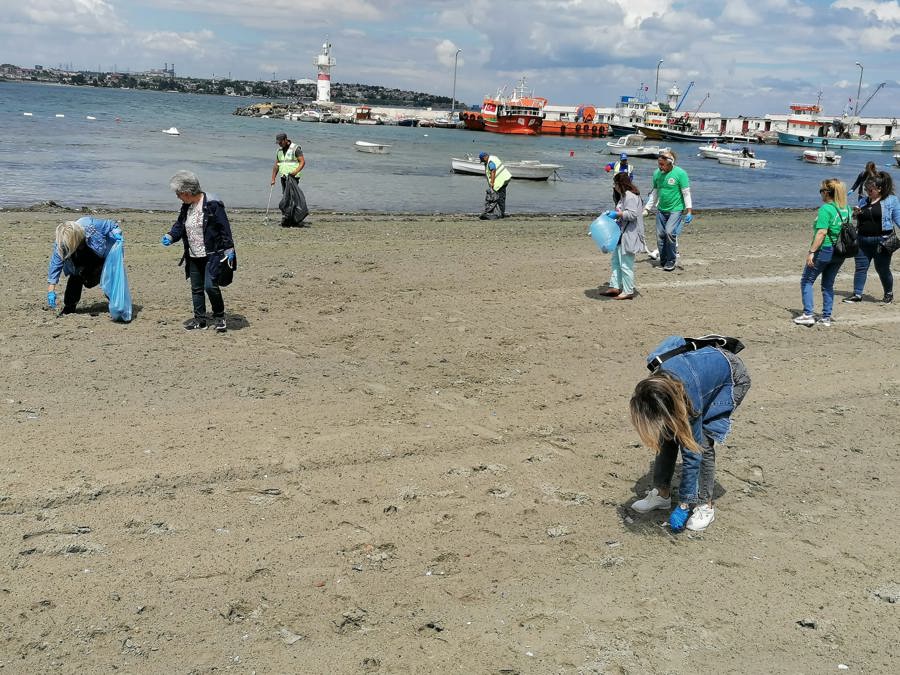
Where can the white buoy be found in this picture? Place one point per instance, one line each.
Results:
(27, 114)
(90, 117)
(60, 115)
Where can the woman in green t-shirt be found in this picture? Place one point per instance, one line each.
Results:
(821, 259)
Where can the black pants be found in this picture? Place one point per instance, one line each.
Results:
(201, 281)
(88, 269)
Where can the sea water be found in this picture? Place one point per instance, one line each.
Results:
(122, 159)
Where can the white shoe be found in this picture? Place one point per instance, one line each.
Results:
(652, 502)
(701, 518)
(654, 254)
(805, 320)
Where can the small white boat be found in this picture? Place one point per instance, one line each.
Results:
(90, 117)
(821, 157)
(28, 114)
(633, 145)
(743, 162)
(374, 148)
(896, 157)
(524, 170)
(304, 116)
(59, 115)
(714, 151)
(172, 131)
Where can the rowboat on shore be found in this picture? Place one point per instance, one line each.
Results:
(373, 148)
(523, 170)
(821, 157)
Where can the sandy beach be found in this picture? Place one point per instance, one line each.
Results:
(411, 453)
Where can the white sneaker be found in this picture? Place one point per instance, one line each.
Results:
(654, 254)
(652, 502)
(701, 518)
(805, 320)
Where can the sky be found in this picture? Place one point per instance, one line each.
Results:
(751, 56)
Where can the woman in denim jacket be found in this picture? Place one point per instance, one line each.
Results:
(876, 220)
(686, 405)
(79, 250)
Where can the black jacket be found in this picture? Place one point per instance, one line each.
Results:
(216, 230)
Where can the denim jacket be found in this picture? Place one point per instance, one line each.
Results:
(709, 384)
(98, 237)
(216, 229)
(890, 213)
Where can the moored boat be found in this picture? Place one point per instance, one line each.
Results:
(714, 151)
(518, 113)
(897, 159)
(634, 146)
(831, 142)
(743, 162)
(373, 148)
(821, 157)
(171, 131)
(523, 170)
(806, 129)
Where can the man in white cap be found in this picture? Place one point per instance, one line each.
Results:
(498, 177)
(671, 192)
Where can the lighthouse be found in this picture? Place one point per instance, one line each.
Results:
(324, 63)
(673, 96)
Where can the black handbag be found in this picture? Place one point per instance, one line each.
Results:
(891, 243)
(222, 271)
(847, 243)
(729, 344)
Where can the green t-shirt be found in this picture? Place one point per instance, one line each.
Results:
(668, 188)
(828, 219)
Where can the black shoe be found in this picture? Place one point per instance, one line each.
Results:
(483, 216)
(669, 267)
(888, 298)
(195, 324)
(853, 299)
(221, 326)
(67, 310)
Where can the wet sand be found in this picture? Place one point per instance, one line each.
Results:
(411, 453)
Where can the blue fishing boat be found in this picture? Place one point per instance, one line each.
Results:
(834, 143)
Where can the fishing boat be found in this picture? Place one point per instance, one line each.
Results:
(821, 157)
(806, 129)
(714, 150)
(374, 148)
(743, 162)
(363, 115)
(524, 170)
(310, 116)
(634, 146)
(519, 113)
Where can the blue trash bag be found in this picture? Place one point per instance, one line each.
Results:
(605, 232)
(114, 282)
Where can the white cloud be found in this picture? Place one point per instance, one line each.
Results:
(882, 11)
(73, 16)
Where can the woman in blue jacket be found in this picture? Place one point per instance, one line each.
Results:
(686, 405)
(79, 250)
(876, 220)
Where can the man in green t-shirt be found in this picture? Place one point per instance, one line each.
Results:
(671, 192)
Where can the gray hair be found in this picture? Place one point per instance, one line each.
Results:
(185, 182)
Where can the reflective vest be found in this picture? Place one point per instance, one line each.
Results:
(287, 161)
(618, 168)
(501, 174)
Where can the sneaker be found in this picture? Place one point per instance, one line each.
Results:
(853, 299)
(668, 267)
(888, 298)
(678, 518)
(701, 518)
(652, 502)
(805, 320)
(825, 321)
(654, 254)
(221, 326)
(195, 324)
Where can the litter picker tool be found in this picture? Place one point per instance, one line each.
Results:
(269, 202)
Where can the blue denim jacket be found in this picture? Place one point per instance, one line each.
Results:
(97, 233)
(890, 213)
(709, 384)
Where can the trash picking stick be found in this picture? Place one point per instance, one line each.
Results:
(269, 202)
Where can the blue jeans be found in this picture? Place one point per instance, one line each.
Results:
(668, 227)
(826, 264)
(868, 249)
(202, 281)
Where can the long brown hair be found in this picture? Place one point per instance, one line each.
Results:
(623, 182)
(661, 409)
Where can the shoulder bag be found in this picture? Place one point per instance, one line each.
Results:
(847, 243)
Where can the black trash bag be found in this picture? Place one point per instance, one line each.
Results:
(293, 205)
(491, 205)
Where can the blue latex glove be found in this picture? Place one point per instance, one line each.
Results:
(611, 214)
(166, 240)
(116, 235)
(51, 299)
(688, 218)
(678, 518)
(229, 254)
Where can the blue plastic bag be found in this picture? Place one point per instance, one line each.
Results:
(114, 282)
(605, 232)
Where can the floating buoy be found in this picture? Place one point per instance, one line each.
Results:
(118, 119)
(27, 114)
(90, 117)
(60, 115)
(425, 135)
(571, 153)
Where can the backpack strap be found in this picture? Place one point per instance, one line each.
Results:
(729, 344)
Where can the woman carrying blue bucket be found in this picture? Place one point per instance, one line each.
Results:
(629, 215)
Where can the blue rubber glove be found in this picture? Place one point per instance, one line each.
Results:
(229, 254)
(611, 214)
(51, 299)
(688, 218)
(166, 240)
(116, 235)
(678, 518)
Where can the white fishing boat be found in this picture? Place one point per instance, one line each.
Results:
(374, 148)
(715, 150)
(524, 170)
(633, 145)
(821, 157)
(743, 162)
(171, 131)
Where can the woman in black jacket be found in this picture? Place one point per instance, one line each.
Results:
(208, 246)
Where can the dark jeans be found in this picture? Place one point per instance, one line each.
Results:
(868, 249)
(88, 269)
(201, 281)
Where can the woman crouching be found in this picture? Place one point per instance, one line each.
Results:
(203, 226)
(79, 250)
(686, 405)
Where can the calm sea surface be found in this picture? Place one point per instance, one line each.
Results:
(121, 159)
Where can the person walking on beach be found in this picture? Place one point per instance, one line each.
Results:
(859, 184)
(876, 220)
(671, 193)
(820, 258)
(289, 162)
(686, 406)
(498, 177)
(629, 214)
(622, 166)
(79, 250)
(204, 228)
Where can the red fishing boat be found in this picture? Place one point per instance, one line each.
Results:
(519, 113)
